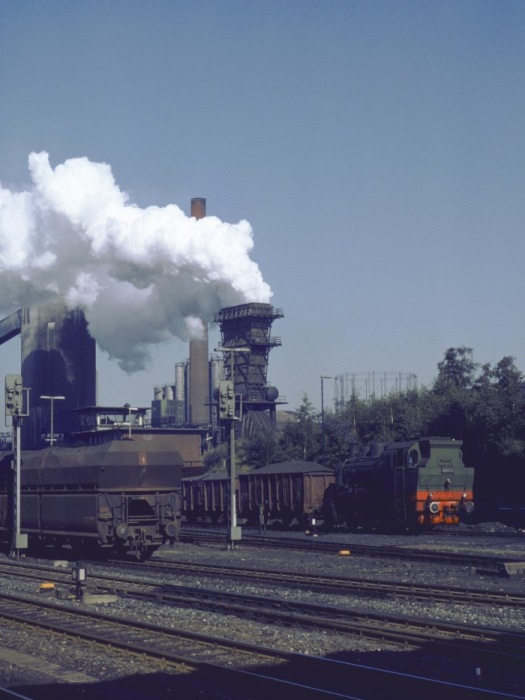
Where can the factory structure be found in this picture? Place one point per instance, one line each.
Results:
(58, 369)
(246, 341)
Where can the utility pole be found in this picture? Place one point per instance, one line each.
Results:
(323, 377)
(227, 418)
(14, 407)
(227, 401)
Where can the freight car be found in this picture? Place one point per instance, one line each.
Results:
(414, 484)
(120, 496)
(207, 496)
(286, 491)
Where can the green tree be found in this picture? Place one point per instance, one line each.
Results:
(455, 370)
(497, 420)
(302, 439)
(483, 406)
(410, 413)
(215, 460)
(353, 417)
(337, 437)
(510, 389)
(261, 449)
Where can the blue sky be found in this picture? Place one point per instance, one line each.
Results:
(376, 148)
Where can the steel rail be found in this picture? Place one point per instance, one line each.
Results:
(507, 646)
(296, 675)
(314, 582)
(346, 585)
(320, 546)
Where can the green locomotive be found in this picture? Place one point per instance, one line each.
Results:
(413, 484)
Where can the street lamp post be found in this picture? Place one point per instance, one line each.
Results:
(323, 377)
(130, 409)
(52, 399)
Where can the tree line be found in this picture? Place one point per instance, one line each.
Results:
(482, 405)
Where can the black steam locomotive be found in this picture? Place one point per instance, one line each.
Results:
(122, 496)
(414, 484)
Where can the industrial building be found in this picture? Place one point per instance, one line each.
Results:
(58, 368)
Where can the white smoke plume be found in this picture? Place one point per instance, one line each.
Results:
(141, 275)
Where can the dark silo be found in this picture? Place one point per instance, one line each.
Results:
(58, 359)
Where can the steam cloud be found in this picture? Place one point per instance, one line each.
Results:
(142, 276)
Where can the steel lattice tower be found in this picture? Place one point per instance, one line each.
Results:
(246, 343)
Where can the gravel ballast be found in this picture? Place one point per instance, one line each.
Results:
(96, 665)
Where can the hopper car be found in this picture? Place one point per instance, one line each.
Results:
(419, 483)
(120, 496)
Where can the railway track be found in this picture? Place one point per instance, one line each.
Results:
(489, 563)
(496, 646)
(346, 585)
(322, 583)
(231, 663)
(444, 531)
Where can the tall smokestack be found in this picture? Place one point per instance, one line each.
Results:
(198, 207)
(199, 391)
